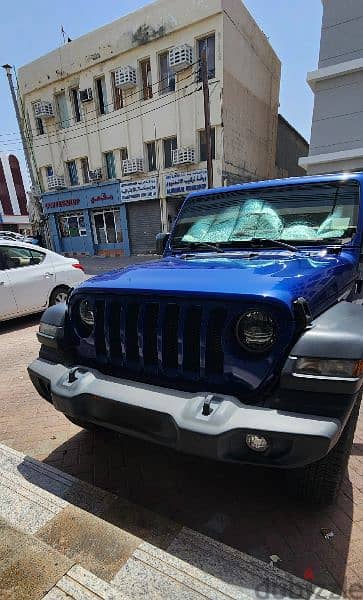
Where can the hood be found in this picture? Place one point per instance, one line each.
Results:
(279, 275)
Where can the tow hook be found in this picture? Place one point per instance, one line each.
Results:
(207, 410)
(72, 375)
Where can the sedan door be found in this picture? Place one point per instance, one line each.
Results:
(8, 306)
(31, 276)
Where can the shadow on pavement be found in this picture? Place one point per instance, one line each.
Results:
(19, 323)
(244, 507)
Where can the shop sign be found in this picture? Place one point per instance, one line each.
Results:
(101, 197)
(181, 184)
(145, 189)
(62, 203)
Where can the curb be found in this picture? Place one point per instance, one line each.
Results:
(61, 538)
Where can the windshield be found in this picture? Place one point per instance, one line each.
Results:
(308, 213)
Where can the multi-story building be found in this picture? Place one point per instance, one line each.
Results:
(13, 203)
(337, 126)
(115, 120)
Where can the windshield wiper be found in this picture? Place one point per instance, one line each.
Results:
(271, 242)
(192, 245)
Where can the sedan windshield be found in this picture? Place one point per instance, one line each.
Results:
(303, 214)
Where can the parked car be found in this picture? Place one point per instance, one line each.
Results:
(33, 278)
(244, 343)
(17, 237)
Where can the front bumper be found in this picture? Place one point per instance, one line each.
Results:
(175, 418)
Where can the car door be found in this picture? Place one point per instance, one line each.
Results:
(8, 306)
(31, 277)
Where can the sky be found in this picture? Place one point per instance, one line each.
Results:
(31, 28)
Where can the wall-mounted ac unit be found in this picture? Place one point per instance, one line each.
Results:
(183, 156)
(180, 57)
(86, 95)
(125, 77)
(95, 175)
(132, 165)
(55, 182)
(43, 109)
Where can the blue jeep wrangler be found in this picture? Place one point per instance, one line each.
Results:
(243, 343)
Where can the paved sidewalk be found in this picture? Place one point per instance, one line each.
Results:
(56, 544)
(243, 507)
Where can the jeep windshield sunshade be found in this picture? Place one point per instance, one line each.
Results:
(310, 213)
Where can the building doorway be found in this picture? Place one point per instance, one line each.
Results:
(107, 228)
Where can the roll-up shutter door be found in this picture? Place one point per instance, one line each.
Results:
(144, 223)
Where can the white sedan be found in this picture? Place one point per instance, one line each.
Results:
(32, 278)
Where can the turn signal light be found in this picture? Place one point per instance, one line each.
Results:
(358, 369)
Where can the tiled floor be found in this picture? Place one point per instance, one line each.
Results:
(245, 508)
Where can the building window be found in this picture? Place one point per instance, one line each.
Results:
(107, 226)
(39, 125)
(85, 170)
(124, 156)
(49, 171)
(72, 225)
(101, 95)
(203, 144)
(110, 165)
(72, 172)
(76, 104)
(166, 74)
(151, 155)
(147, 88)
(62, 110)
(118, 100)
(210, 42)
(169, 144)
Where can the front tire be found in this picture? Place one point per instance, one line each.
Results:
(319, 483)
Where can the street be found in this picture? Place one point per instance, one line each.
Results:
(243, 507)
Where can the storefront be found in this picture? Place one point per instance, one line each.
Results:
(88, 220)
(141, 198)
(117, 218)
(178, 186)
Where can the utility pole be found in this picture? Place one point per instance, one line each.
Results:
(18, 118)
(208, 137)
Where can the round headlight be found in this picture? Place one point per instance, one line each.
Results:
(256, 331)
(86, 313)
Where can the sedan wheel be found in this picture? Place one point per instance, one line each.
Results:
(59, 295)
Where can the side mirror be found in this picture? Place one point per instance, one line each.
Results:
(161, 241)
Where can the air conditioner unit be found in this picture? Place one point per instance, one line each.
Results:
(180, 57)
(55, 182)
(183, 156)
(125, 77)
(86, 95)
(43, 109)
(132, 165)
(95, 175)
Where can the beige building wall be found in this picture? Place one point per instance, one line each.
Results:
(244, 92)
(251, 87)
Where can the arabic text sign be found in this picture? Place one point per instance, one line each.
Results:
(101, 197)
(182, 183)
(145, 189)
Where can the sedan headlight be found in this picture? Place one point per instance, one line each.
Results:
(256, 331)
(86, 314)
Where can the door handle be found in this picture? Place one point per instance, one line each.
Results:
(48, 275)
(2, 282)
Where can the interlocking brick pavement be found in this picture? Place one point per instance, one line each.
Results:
(244, 507)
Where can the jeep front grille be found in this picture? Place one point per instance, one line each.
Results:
(170, 338)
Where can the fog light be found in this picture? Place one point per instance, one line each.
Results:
(258, 443)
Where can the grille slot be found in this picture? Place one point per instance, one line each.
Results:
(168, 338)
